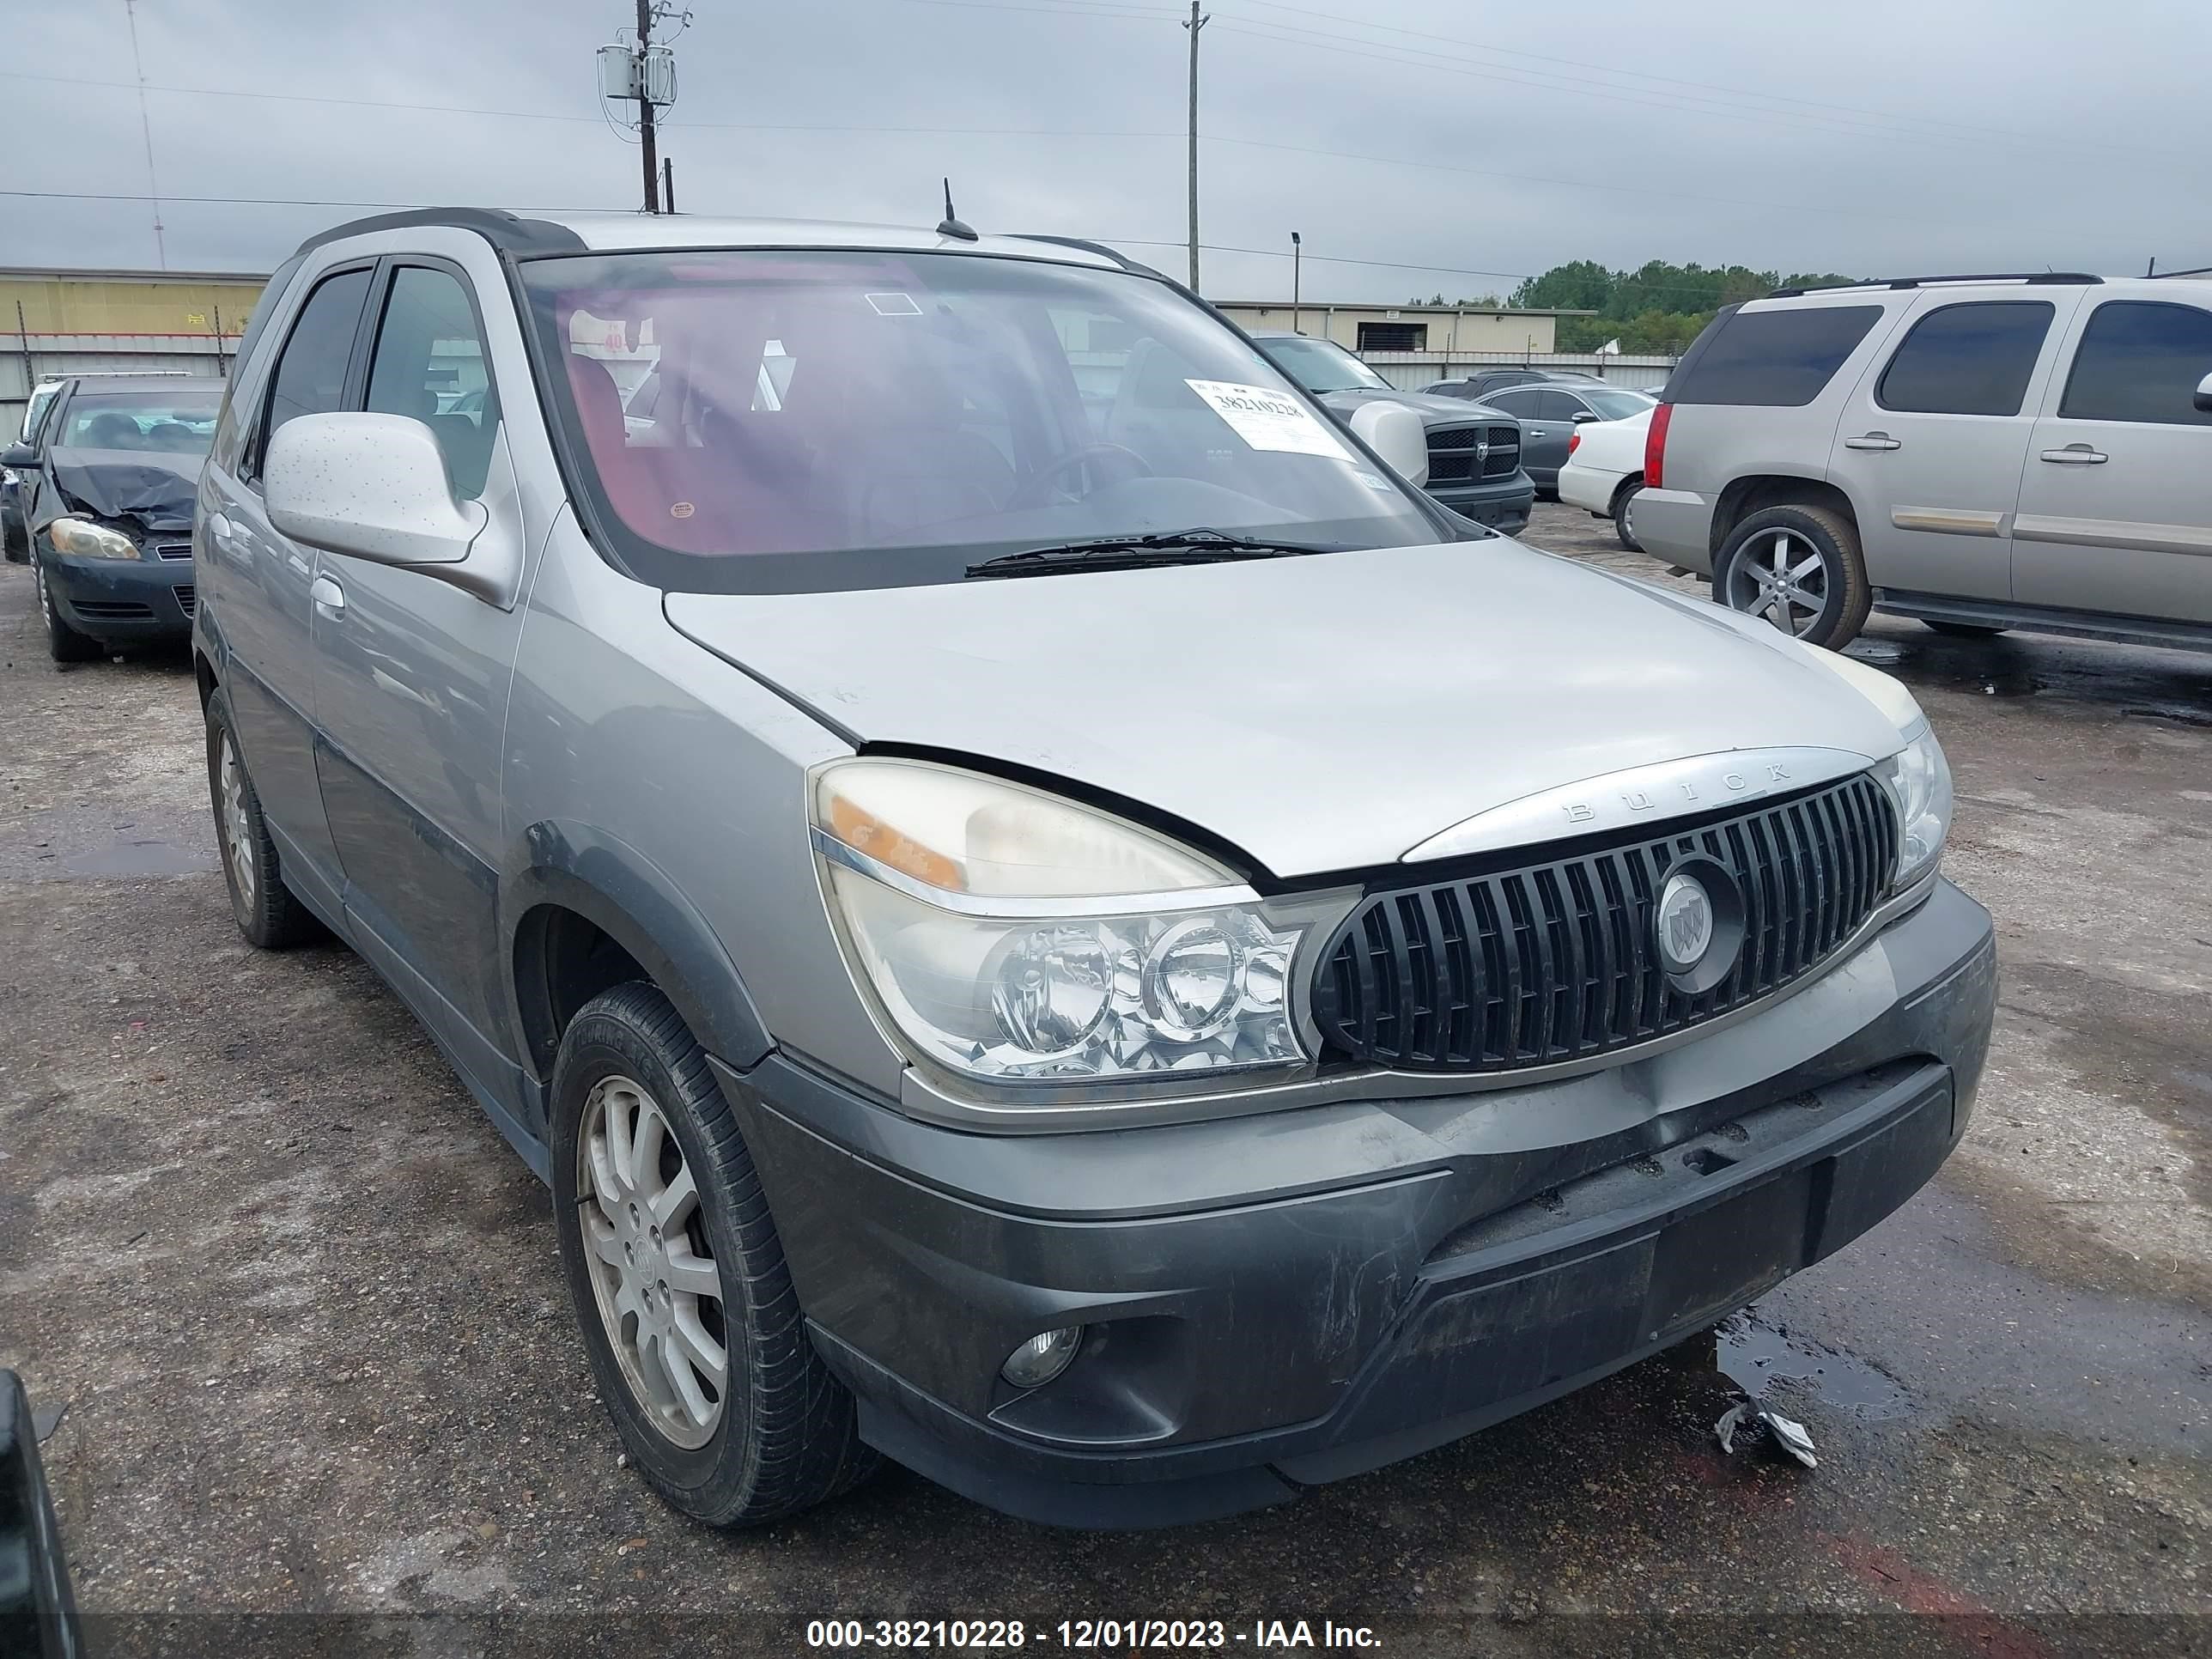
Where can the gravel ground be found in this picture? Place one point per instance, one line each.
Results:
(324, 1393)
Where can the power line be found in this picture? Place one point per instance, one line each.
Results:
(541, 115)
(2009, 134)
(1570, 183)
(1731, 107)
(1325, 258)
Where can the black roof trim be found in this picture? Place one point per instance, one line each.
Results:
(1098, 248)
(2198, 270)
(2061, 278)
(508, 232)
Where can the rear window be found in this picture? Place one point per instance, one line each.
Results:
(1774, 358)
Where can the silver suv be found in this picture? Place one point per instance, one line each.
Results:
(1040, 911)
(1982, 452)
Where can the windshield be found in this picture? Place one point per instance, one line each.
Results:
(1617, 405)
(773, 422)
(172, 421)
(1323, 366)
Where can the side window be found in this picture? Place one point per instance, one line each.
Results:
(1968, 359)
(1514, 401)
(1561, 406)
(310, 371)
(430, 363)
(2141, 360)
(1778, 358)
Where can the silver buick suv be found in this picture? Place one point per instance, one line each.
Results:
(1042, 911)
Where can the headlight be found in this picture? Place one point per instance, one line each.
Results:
(82, 540)
(1919, 781)
(1012, 935)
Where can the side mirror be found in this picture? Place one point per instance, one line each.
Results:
(2202, 400)
(1397, 434)
(1581, 417)
(24, 456)
(371, 486)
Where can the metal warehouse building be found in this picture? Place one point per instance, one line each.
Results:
(1410, 346)
(62, 322)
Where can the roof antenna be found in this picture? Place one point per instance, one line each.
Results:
(949, 226)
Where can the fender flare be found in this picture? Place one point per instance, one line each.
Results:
(572, 867)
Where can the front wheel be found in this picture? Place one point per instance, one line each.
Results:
(1799, 568)
(63, 643)
(679, 1279)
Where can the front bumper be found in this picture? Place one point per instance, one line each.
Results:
(1503, 505)
(1276, 1300)
(145, 598)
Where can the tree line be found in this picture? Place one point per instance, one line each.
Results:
(1655, 310)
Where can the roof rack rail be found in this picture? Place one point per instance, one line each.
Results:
(511, 232)
(2199, 271)
(2064, 278)
(1082, 245)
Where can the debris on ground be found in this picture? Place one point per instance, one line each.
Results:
(45, 1420)
(1786, 1433)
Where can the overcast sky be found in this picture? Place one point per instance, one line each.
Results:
(1877, 136)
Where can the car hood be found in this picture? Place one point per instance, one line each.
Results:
(1322, 713)
(154, 489)
(1434, 411)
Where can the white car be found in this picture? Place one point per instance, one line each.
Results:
(1605, 469)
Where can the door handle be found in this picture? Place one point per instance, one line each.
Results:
(2077, 455)
(1872, 440)
(329, 597)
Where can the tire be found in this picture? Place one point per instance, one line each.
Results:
(1964, 630)
(266, 911)
(1623, 531)
(63, 643)
(1823, 598)
(635, 1109)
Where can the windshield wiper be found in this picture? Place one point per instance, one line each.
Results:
(1200, 546)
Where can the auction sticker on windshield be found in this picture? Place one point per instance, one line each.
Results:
(1270, 420)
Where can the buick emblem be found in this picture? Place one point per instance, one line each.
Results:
(1684, 923)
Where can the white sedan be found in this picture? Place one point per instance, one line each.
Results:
(1605, 469)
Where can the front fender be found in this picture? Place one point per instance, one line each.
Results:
(611, 884)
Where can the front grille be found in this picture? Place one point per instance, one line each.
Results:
(187, 597)
(1458, 454)
(111, 610)
(173, 550)
(1533, 964)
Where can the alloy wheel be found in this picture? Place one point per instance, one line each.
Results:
(1780, 576)
(45, 600)
(653, 1275)
(237, 828)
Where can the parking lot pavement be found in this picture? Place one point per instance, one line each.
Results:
(304, 1308)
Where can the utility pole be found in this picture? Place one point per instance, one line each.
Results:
(645, 109)
(1296, 322)
(1196, 23)
(146, 132)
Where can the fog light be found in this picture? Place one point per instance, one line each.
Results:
(1040, 1358)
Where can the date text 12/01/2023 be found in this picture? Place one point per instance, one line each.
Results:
(1115, 1634)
